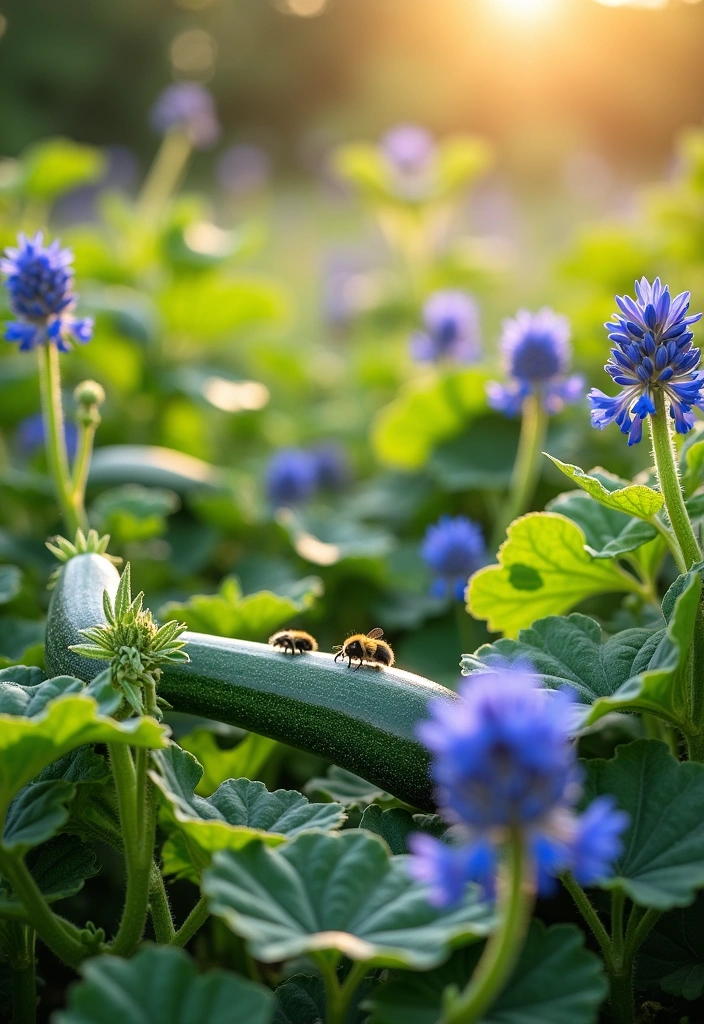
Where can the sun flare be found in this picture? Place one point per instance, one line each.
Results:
(525, 11)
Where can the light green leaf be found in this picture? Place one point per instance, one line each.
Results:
(673, 953)
(59, 867)
(543, 570)
(642, 669)
(54, 166)
(29, 744)
(237, 812)
(133, 512)
(10, 582)
(246, 760)
(342, 787)
(556, 981)
(341, 894)
(612, 492)
(427, 412)
(692, 460)
(251, 617)
(608, 534)
(36, 814)
(162, 985)
(213, 306)
(396, 824)
(662, 864)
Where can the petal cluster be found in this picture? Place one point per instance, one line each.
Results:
(409, 148)
(187, 106)
(453, 548)
(39, 280)
(503, 760)
(450, 329)
(652, 351)
(294, 475)
(536, 354)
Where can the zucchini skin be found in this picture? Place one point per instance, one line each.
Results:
(364, 721)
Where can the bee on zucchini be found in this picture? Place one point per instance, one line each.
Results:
(366, 650)
(293, 641)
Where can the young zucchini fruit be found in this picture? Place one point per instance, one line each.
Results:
(363, 721)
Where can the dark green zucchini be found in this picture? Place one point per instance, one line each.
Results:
(363, 720)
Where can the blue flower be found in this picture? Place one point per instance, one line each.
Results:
(409, 149)
(40, 283)
(451, 321)
(332, 468)
(291, 477)
(243, 168)
(189, 107)
(652, 351)
(453, 549)
(503, 761)
(536, 352)
(31, 435)
(446, 870)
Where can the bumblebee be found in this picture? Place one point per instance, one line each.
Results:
(369, 649)
(293, 641)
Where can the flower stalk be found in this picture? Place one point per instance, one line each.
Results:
(668, 476)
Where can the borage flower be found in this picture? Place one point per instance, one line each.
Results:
(40, 283)
(291, 477)
(536, 354)
(453, 548)
(503, 762)
(451, 329)
(189, 107)
(653, 352)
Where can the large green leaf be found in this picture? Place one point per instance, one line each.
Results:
(36, 814)
(396, 824)
(302, 1000)
(342, 787)
(543, 570)
(425, 413)
(642, 669)
(10, 582)
(161, 985)
(246, 760)
(556, 981)
(340, 894)
(612, 492)
(662, 864)
(480, 458)
(608, 534)
(54, 166)
(21, 641)
(324, 537)
(134, 513)
(59, 867)
(213, 306)
(251, 617)
(237, 812)
(29, 699)
(29, 744)
(673, 954)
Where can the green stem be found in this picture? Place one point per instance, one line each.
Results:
(621, 997)
(53, 932)
(339, 996)
(55, 437)
(81, 465)
(671, 542)
(195, 920)
(618, 900)
(22, 973)
(164, 175)
(526, 470)
(159, 908)
(503, 948)
(666, 466)
(643, 925)
(584, 905)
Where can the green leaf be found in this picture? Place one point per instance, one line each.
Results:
(10, 582)
(326, 538)
(556, 981)
(21, 641)
(252, 617)
(543, 570)
(29, 744)
(161, 985)
(427, 411)
(395, 825)
(302, 1000)
(30, 699)
(133, 512)
(673, 954)
(54, 166)
(36, 814)
(246, 760)
(608, 534)
(237, 812)
(214, 306)
(342, 787)
(692, 461)
(59, 867)
(641, 669)
(662, 865)
(612, 492)
(481, 458)
(337, 893)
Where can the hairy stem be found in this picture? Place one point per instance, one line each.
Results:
(159, 908)
(526, 470)
(503, 948)
(195, 920)
(666, 466)
(55, 438)
(21, 962)
(584, 905)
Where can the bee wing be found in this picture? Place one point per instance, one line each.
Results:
(375, 634)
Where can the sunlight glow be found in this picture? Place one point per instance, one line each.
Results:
(525, 11)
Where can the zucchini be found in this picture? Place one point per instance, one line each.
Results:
(363, 720)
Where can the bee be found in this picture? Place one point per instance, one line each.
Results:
(369, 649)
(293, 641)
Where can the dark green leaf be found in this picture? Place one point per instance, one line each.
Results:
(482, 458)
(673, 953)
(397, 824)
(21, 641)
(325, 538)
(36, 814)
(342, 787)
(133, 512)
(301, 1000)
(161, 985)
(10, 582)
(608, 533)
(59, 868)
(341, 893)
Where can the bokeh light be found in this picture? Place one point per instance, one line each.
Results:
(302, 8)
(525, 11)
(193, 52)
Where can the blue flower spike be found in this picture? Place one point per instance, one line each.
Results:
(453, 548)
(291, 477)
(451, 331)
(503, 761)
(189, 107)
(536, 354)
(39, 279)
(652, 351)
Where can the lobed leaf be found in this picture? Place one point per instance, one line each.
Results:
(634, 499)
(59, 867)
